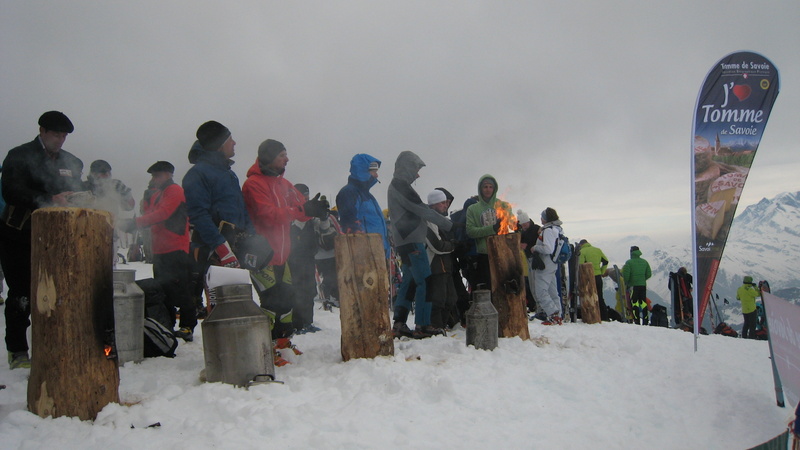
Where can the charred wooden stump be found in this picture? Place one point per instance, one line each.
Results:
(71, 313)
(587, 290)
(363, 291)
(508, 284)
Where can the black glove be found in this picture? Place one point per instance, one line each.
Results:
(127, 225)
(316, 207)
(496, 226)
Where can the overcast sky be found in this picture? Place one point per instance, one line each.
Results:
(582, 106)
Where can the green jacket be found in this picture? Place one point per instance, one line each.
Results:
(747, 294)
(595, 256)
(482, 216)
(636, 270)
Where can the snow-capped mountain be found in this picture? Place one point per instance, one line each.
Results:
(764, 242)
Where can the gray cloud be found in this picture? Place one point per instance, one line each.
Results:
(585, 107)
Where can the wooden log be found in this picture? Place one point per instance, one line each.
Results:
(71, 313)
(508, 288)
(364, 291)
(587, 290)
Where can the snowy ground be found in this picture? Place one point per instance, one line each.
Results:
(608, 385)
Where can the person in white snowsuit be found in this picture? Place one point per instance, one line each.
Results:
(545, 284)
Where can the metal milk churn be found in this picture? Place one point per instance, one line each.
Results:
(482, 326)
(237, 342)
(128, 316)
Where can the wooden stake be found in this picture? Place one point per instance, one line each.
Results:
(71, 312)
(508, 284)
(590, 307)
(364, 292)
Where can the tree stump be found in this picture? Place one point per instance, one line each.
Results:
(71, 313)
(363, 291)
(587, 290)
(508, 284)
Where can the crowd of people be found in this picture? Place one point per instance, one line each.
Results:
(211, 219)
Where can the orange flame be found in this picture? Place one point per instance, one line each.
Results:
(508, 222)
(107, 350)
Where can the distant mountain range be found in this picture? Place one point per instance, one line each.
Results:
(764, 242)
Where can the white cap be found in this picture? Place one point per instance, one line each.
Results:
(436, 196)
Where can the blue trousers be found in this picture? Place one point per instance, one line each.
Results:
(416, 268)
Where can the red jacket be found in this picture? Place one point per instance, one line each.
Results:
(165, 213)
(273, 203)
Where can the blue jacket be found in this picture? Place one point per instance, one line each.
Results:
(213, 194)
(359, 211)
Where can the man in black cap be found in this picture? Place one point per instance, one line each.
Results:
(164, 212)
(214, 201)
(35, 175)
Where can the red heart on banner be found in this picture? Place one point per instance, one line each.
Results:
(741, 91)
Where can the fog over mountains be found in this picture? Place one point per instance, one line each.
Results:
(764, 242)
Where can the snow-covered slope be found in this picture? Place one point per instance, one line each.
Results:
(764, 243)
(609, 385)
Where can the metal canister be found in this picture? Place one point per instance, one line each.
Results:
(237, 342)
(128, 317)
(482, 321)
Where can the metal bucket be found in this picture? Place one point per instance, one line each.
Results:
(237, 342)
(482, 321)
(128, 317)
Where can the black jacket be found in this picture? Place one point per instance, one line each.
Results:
(31, 178)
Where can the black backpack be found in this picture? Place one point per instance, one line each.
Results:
(158, 339)
(155, 302)
(658, 316)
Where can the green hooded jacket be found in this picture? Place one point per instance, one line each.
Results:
(636, 270)
(595, 256)
(482, 216)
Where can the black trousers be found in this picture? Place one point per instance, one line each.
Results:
(639, 303)
(15, 256)
(749, 327)
(173, 273)
(598, 280)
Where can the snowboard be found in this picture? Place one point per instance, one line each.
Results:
(623, 306)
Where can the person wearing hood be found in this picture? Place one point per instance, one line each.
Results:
(636, 272)
(359, 211)
(35, 175)
(409, 216)
(595, 255)
(273, 203)
(545, 282)
(482, 221)
(747, 294)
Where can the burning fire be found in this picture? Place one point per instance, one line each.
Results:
(107, 350)
(508, 222)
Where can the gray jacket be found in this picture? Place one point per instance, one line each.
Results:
(408, 214)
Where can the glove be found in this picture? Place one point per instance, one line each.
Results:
(226, 256)
(496, 226)
(127, 225)
(120, 187)
(316, 207)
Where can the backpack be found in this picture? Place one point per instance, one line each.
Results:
(158, 339)
(562, 252)
(155, 302)
(658, 317)
(725, 330)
